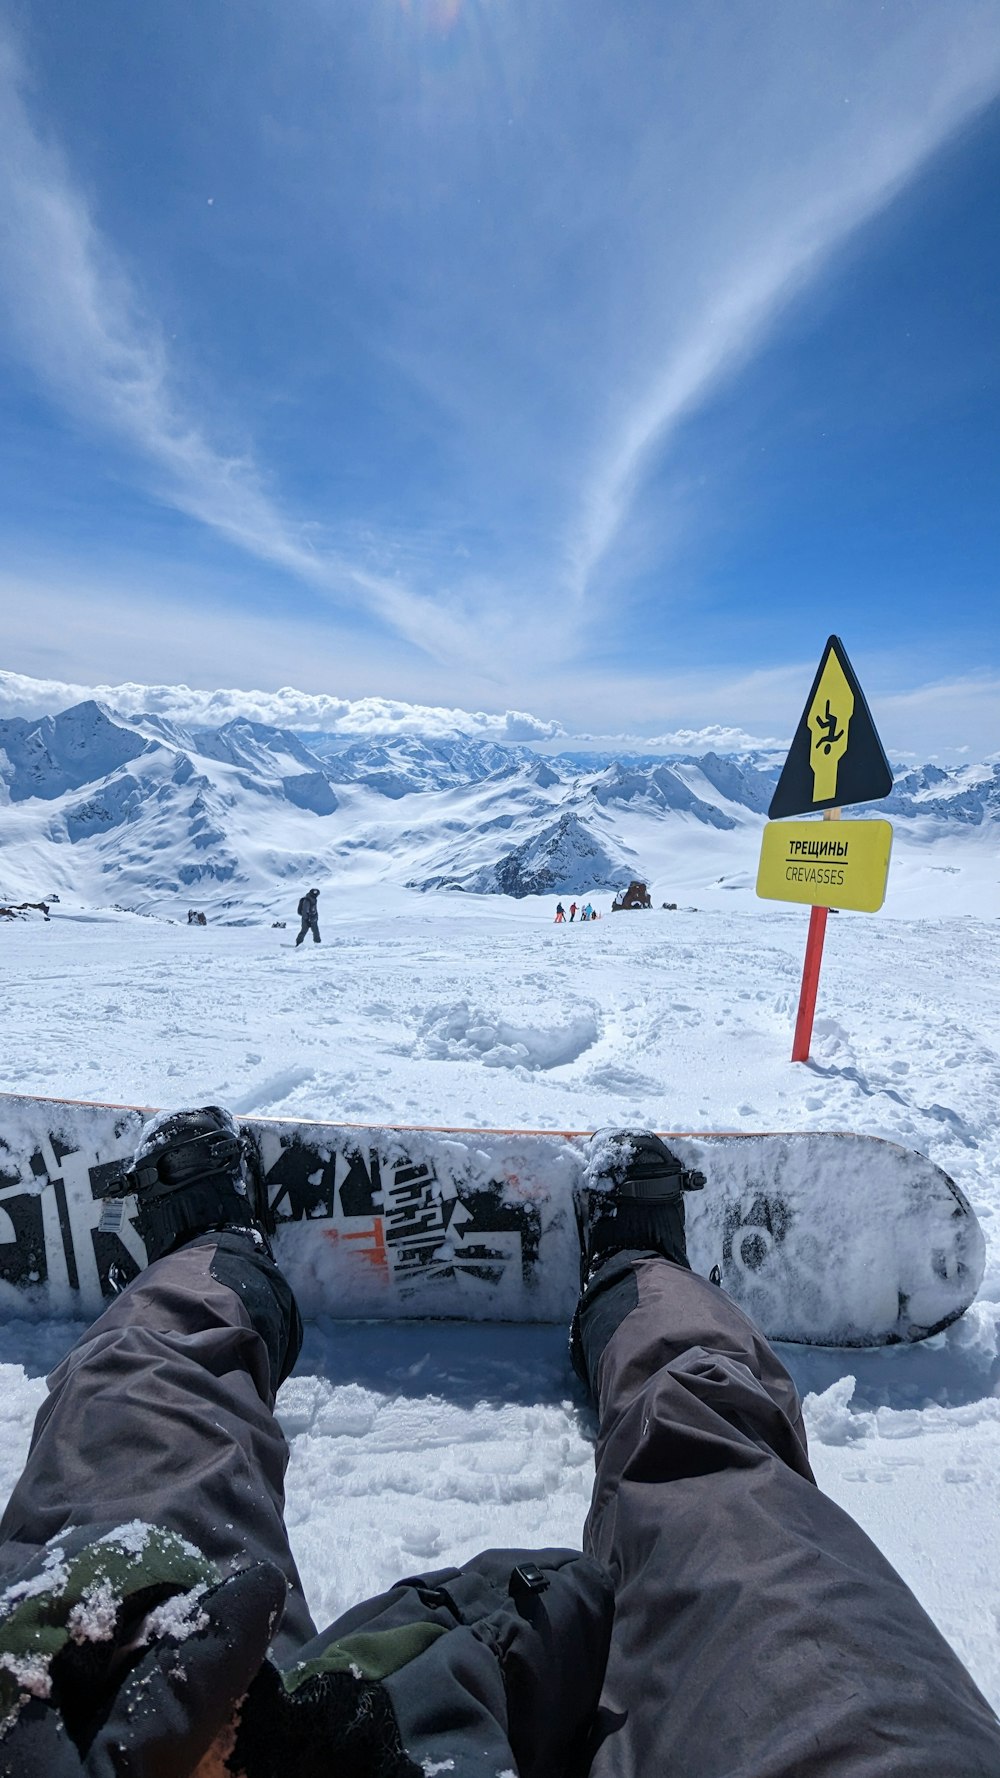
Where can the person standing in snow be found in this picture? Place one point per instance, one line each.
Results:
(560, 913)
(309, 911)
(572, 912)
(726, 1615)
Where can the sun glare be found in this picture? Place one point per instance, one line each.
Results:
(437, 15)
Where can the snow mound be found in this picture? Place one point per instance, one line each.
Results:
(829, 1417)
(462, 1032)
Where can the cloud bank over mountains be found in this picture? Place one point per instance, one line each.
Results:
(911, 723)
(322, 713)
(287, 708)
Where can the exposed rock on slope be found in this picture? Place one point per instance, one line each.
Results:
(658, 785)
(559, 860)
(970, 795)
(64, 752)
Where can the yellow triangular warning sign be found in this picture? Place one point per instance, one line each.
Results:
(836, 756)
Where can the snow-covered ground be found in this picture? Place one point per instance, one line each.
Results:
(414, 1445)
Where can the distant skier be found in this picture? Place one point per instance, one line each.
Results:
(572, 912)
(310, 916)
(560, 913)
(588, 912)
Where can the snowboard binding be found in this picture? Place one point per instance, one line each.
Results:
(632, 1197)
(193, 1172)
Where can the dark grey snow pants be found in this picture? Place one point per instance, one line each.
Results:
(163, 1412)
(758, 1632)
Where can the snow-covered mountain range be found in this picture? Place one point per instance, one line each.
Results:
(141, 812)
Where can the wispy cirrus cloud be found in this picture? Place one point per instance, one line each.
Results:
(803, 200)
(79, 320)
(569, 376)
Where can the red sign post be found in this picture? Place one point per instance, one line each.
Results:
(810, 975)
(810, 984)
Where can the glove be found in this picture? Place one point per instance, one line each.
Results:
(125, 1656)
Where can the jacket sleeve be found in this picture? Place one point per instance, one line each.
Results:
(125, 1656)
(511, 1680)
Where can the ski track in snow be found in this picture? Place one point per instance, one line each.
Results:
(413, 1446)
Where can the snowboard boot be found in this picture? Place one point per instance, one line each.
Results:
(632, 1197)
(631, 1200)
(194, 1173)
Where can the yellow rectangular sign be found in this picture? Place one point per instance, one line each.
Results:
(827, 864)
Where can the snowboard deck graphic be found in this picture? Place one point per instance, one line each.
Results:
(823, 1238)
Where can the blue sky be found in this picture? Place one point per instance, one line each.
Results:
(538, 354)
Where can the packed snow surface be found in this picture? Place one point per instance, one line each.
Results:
(414, 1445)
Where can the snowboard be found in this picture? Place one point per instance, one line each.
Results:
(823, 1238)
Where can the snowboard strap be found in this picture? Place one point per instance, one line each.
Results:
(193, 1158)
(645, 1176)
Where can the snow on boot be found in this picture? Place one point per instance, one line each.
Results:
(190, 1174)
(632, 1198)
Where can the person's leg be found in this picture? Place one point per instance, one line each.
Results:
(146, 1583)
(303, 929)
(314, 929)
(125, 1649)
(163, 1412)
(757, 1631)
(158, 1422)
